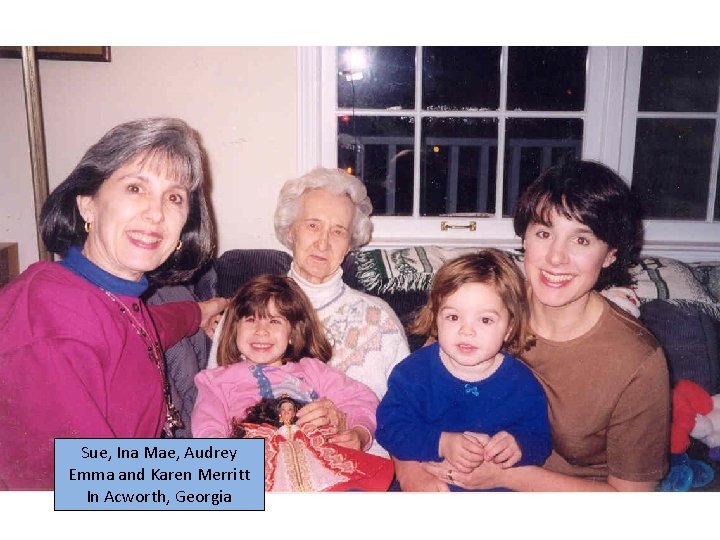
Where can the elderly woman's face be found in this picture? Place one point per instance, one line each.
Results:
(136, 219)
(321, 234)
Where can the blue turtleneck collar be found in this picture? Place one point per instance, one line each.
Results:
(76, 262)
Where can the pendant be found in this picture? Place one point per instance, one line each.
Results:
(172, 420)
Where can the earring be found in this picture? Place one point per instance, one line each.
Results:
(88, 226)
(179, 245)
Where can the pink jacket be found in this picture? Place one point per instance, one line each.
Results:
(225, 393)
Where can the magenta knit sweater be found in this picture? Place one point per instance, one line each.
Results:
(71, 365)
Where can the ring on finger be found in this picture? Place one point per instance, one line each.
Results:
(450, 475)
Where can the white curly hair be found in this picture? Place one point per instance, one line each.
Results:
(335, 181)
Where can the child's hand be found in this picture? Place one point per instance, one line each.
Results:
(462, 451)
(355, 438)
(322, 412)
(503, 449)
(482, 438)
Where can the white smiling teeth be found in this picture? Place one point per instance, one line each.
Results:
(554, 278)
(145, 238)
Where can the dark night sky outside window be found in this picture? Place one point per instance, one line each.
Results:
(672, 167)
(458, 160)
(546, 78)
(460, 78)
(680, 79)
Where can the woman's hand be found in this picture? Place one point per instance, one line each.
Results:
(484, 476)
(413, 476)
(322, 412)
(210, 314)
(464, 452)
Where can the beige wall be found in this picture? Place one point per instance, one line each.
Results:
(17, 221)
(242, 100)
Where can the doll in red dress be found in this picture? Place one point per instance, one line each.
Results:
(302, 459)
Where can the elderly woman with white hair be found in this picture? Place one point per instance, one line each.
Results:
(320, 217)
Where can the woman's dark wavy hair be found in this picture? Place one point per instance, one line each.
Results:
(307, 337)
(595, 196)
(166, 144)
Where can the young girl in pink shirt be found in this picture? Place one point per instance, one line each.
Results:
(273, 345)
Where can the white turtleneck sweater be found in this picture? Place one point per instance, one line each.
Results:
(366, 335)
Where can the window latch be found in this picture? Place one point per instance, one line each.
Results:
(444, 226)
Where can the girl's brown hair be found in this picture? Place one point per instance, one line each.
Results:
(491, 267)
(307, 338)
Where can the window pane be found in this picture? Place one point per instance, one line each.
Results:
(680, 79)
(388, 78)
(546, 78)
(459, 161)
(461, 78)
(671, 171)
(531, 146)
(379, 151)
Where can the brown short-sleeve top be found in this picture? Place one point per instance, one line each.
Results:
(608, 400)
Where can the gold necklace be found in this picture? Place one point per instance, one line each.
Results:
(172, 416)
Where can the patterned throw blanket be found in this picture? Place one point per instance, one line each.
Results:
(693, 284)
(408, 269)
(412, 269)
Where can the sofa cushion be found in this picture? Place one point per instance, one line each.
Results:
(708, 274)
(236, 266)
(665, 279)
(205, 286)
(689, 338)
(689, 286)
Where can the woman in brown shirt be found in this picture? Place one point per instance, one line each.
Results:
(604, 374)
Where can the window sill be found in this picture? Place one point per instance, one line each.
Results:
(662, 239)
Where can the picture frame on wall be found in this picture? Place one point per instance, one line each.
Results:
(83, 54)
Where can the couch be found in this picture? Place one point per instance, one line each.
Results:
(679, 303)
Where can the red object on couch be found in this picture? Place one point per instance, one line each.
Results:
(688, 400)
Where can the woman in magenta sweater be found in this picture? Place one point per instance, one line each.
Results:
(81, 355)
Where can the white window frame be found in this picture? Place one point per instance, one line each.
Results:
(608, 136)
(686, 240)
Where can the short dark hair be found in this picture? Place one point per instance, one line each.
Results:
(159, 142)
(594, 195)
